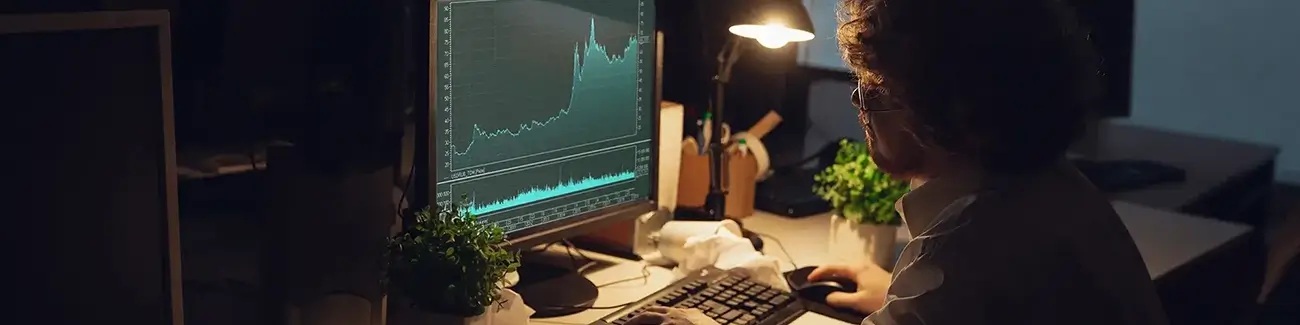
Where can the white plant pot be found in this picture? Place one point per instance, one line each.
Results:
(440, 319)
(856, 244)
(510, 311)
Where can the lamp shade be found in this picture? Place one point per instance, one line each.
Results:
(773, 23)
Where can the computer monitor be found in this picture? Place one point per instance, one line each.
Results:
(543, 118)
(90, 199)
(543, 112)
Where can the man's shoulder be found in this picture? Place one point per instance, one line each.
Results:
(994, 226)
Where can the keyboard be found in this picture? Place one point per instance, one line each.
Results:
(728, 297)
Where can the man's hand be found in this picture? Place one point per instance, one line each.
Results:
(671, 316)
(872, 281)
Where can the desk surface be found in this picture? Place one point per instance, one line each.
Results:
(1209, 162)
(805, 239)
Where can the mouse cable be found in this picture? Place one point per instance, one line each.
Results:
(788, 258)
(645, 275)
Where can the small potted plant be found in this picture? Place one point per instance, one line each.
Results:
(448, 268)
(865, 224)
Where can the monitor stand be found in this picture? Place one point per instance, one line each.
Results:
(553, 291)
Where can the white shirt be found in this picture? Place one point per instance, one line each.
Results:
(1045, 248)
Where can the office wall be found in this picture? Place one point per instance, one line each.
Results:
(1224, 69)
(822, 52)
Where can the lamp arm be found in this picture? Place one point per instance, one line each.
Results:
(716, 200)
(727, 59)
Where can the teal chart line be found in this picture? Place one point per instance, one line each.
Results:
(596, 60)
(539, 194)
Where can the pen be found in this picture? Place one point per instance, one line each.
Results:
(708, 128)
(699, 146)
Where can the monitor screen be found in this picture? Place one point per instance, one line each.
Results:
(543, 111)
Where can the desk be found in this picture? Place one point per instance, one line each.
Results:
(1164, 252)
(1227, 180)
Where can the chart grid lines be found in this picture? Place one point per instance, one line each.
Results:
(548, 161)
(468, 1)
(592, 64)
(542, 114)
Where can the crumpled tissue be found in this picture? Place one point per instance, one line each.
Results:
(694, 245)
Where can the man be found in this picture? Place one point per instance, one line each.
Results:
(975, 102)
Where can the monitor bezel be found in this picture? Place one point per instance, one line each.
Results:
(161, 21)
(569, 227)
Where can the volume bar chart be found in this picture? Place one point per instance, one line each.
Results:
(499, 196)
(549, 192)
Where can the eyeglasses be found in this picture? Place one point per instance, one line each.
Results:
(872, 100)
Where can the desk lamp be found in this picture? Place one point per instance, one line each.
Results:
(773, 24)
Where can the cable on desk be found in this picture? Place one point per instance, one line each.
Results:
(574, 253)
(543, 248)
(405, 188)
(645, 277)
(571, 248)
(788, 258)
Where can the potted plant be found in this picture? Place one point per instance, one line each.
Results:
(865, 224)
(448, 268)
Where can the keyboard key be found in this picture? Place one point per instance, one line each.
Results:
(721, 310)
(730, 315)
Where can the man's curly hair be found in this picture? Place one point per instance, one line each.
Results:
(1007, 82)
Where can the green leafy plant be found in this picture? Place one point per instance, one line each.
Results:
(857, 189)
(449, 263)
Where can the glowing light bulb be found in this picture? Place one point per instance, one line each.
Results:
(771, 35)
(772, 41)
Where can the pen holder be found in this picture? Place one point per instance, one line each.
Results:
(693, 186)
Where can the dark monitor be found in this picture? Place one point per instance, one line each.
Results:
(90, 191)
(1110, 27)
(543, 118)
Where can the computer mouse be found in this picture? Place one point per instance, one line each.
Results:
(814, 293)
(817, 290)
